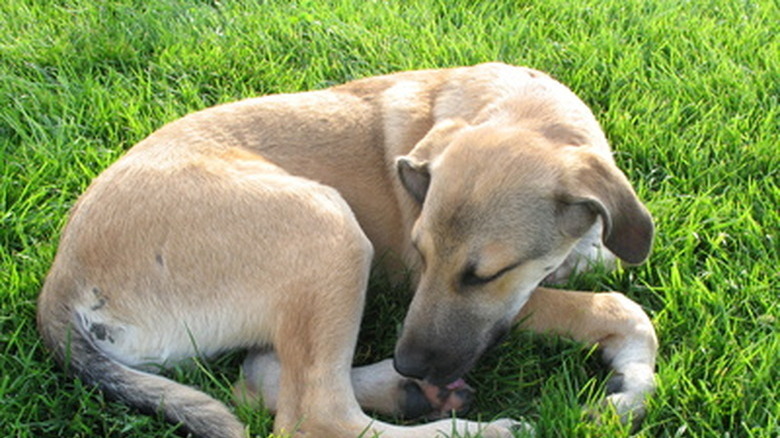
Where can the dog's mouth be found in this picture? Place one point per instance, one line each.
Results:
(453, 380)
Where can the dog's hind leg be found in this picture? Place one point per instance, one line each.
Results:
(620, 328)
(318, 311)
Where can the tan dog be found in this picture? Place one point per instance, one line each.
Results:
(252, 224)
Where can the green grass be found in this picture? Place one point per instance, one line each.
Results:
(687, 92)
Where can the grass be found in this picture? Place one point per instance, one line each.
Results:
(687, 92)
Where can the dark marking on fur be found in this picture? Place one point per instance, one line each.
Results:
(101, 332)
(101, 302)
(159, 259)
(101, 299)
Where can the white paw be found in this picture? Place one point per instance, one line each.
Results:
(630, 390)
(628, 405)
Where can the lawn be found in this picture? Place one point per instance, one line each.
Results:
(687, 93)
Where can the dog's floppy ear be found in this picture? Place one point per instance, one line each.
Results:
(598, 186)
(575, 218)
(414, 176)
(413, 169)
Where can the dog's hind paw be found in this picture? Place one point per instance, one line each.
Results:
(424, 400)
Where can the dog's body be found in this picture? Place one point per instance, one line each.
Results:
(254, 224)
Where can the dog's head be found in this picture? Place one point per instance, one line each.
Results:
(501, 208)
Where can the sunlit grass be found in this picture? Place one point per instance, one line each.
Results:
(687, 92)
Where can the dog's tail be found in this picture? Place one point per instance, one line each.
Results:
(198, 413)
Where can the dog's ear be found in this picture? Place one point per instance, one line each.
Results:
(575, 218)
(596, 186)
(414, 176)
(413, 169)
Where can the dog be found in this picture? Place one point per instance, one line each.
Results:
(254, 225)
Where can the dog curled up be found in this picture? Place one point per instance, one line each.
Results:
(253, 225)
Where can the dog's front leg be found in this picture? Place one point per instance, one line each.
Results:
(620, 328)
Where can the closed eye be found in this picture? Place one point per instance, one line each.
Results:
(470, 277)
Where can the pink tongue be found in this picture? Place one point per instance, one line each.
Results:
(460, 383)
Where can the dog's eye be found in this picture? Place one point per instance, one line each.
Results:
(470, 277)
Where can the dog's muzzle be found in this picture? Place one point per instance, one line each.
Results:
(444, 362)
(412, 363)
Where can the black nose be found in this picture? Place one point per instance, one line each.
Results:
(412, 363)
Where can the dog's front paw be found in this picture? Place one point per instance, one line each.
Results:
(626, 397)
(424, 400)
(630, 407)
(628, 400)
